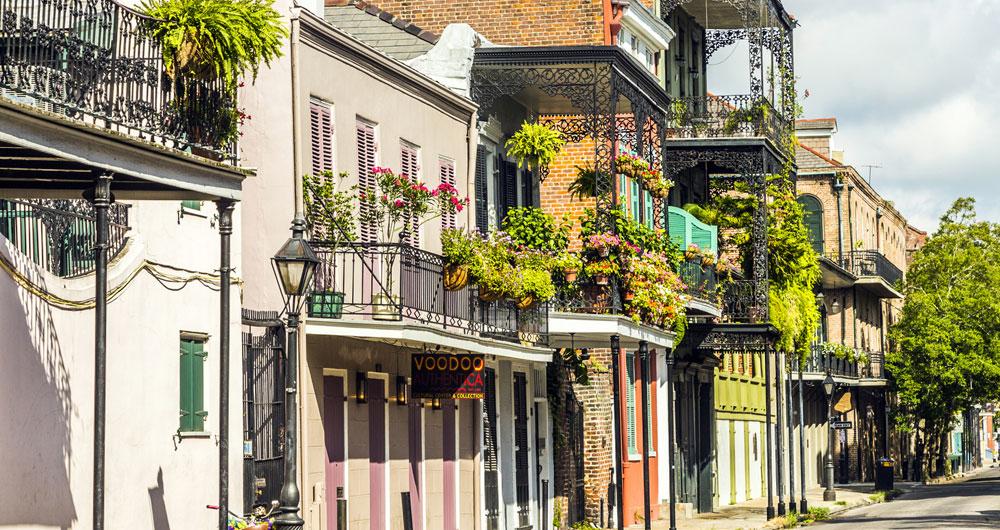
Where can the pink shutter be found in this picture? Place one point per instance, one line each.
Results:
(411, 168)
(446, 169)
(321, 133)
(366, 162)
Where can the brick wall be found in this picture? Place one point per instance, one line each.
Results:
(510, 22)
(555, 199)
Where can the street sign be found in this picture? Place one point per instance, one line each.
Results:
(841, 424)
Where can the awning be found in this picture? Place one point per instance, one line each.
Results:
(587, 330)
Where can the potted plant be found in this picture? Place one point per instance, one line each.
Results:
(204, 41)
(459, 249)
(493, 270)
(397, 206)
(329, 209)
(584, 186)
(569, 263)
(535, 145)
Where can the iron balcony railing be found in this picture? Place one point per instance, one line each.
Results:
(94, 61)
(398, 282)
(738, 116)
(59, 235)
(701, 280)
(821, 361)
(869, 263)
(739, 304)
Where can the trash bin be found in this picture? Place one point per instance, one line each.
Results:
(884, 474)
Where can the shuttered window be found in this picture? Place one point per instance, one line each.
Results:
(482, 189)
(647, 201)
(812, 217)
(409, 156)
(367, 158)
(321, 136)
(192, 385)
(630, 402)
(446, 170)
(636, 210)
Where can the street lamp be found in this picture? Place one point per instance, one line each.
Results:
(293, 264)
(829, 385)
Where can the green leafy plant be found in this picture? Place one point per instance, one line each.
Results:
(584, 186)
(535, 145)
(215, 39)
(819, 513)
(330, 208)
(533, 228)
(459, 247)
(567, 262)
(754, 115)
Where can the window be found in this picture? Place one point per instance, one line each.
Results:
(630, 402)
(192, 383)
(812, 217)
(446, 170)
(321, 135)
(367, 158)
(409, 156)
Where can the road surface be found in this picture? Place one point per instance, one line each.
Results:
(972, 503)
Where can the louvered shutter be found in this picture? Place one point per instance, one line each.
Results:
(481, 196)
(192, 386)
(647, 201)
(677, 226)
(321, 135)
(526, 189)
(630, 401)
(508, 183)
(409, 160)
(367, 151)
(446, 170)
(635, 200)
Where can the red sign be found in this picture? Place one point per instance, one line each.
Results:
(448, 376)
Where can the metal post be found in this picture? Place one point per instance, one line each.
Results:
(616, 395)
(803, 503)
(790, 419)
(779, 438)
(829, 494)
(289, 497)
(671, 452)
(767, 433)
(101, 199)
(644, 371)
(225, 208)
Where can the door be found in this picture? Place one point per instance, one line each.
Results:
(334, 440)
(449, 449)
(377, 454)
(521, 450)
(491, 470)
(706, 447)
(416, 457)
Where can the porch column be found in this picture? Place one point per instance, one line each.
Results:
(644, 373)
(616, 402)
(767, 431)
(671, 439)
(779, 476)
(803, 502)
(225, 208)
(100, 197)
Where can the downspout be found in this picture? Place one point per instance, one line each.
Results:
(838, 188)
(614, 25)
(854, 288)
(293, 54)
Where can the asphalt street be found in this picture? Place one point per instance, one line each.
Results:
(969, 503)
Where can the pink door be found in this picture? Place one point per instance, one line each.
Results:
(416, 460)
(450, 457)
(376, 453)
(333, 431)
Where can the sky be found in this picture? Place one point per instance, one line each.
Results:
(915, 87)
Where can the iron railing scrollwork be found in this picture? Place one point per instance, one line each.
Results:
(702, 281)
(864, 263)
(822, 361)
(401, 282)
(59, 234)
(95, 61)
(732, 116)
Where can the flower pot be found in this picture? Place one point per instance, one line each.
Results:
(601, 279)
(526, 302)
(489, 295)
(456, 277)
(385, 307)
(629, 296)
(570, 276)
(327, 304)
(604, 252)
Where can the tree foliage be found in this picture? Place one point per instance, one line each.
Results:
(947, 354)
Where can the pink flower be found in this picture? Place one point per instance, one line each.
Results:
(458, 208)
(399, 203)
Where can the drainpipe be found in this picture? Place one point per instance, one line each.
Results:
(225, 208)
(644, 373)
(838, 188)
(767, 432)
(779, 447)
(619, 452)
(293, 55)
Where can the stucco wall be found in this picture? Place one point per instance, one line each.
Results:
(47, 385)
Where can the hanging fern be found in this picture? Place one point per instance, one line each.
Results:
(535, 145)
(216, 39)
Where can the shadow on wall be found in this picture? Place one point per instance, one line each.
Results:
(36, 412)
(157, 505)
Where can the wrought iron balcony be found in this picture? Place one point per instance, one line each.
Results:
(869, 263)
(59, 235)
(94, 62)
(821, 362)
(741, 302)
(397, 282)
(739, 116)
(701, 280)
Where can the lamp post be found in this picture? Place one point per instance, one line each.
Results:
(829, 494)
(293, 264)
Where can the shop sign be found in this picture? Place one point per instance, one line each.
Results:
(448, 376)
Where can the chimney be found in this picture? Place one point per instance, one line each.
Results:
(838, 156)
(817, 134)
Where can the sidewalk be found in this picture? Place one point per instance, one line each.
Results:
(752, 515)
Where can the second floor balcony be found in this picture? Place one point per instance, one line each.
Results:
(856, 366)
(398, 283)
(874, 271)
(733, 116)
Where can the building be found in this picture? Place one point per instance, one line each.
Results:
(864, 245)
(115, 317)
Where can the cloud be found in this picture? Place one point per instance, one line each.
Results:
(914, 86)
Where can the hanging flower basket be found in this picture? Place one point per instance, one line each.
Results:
(456, 277)
(489, 295)
(526, 302)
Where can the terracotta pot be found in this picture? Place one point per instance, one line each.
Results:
(488, 295)
(456, 277)
(570, 276)
(526, 302)
(629, 296)
(601, 279)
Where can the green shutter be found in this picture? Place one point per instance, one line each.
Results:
(191, 205)
(635, 200)
(192, 386)
(623, 194)
(812, 218)
(630, 401)
(647, 200)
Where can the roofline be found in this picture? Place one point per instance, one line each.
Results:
(828, 160)
(317, 31)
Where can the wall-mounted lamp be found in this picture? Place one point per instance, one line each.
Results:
(361, 387)
(835, 306)
(400, 390)
(584, 354)
(436, 404)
